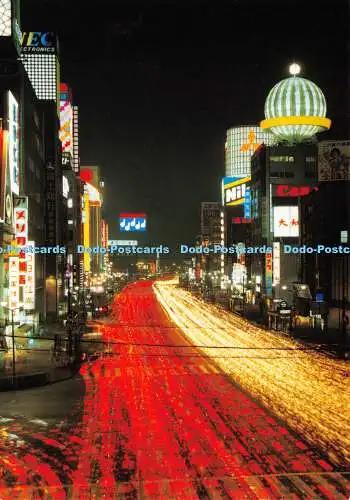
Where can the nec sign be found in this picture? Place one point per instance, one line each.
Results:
(39, 41)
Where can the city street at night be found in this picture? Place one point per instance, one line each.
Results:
(155, 417)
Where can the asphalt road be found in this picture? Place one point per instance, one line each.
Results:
(156, 419)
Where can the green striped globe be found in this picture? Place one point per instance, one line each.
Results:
(294, 97)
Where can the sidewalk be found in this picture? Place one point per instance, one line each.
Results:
(36, 362)
(332, 341)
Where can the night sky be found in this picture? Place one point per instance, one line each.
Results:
(158, 84)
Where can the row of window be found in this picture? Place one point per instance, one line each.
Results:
(289, 175)
(291, 159)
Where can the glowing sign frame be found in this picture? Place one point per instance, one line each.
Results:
(13, 141)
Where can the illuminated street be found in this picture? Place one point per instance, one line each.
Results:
(159, 418)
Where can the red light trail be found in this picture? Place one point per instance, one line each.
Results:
(156, 424)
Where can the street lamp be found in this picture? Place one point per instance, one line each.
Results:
(12, 309)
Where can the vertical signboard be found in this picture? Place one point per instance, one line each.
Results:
(3, 162)
(50, 207)
(268, 273)
(86, 228)
(13, 282)
(66, 120)
(21, 234)
(29, 289)
(13, 141)
(247, 202)
(276, 262)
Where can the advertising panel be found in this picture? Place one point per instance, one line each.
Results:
(86, 228)
(121, 243)
(66, 121)
(76, 159)
(3, 161)
(39, 42)
(276, 262)
(13, 141)
(287, 191)
(334, 161)
(286, 221)
(65, 186)
(268, 273)
(241, 220)
(21, 235)
(29, 289)
(241, 143)
(132, 222)
(13, 282)
(234, 190)
(247, 202)
(91, 175)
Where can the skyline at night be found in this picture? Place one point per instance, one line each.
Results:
(158, 85)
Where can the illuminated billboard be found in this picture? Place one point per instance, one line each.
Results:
(76, 159)
(13, 282)
(287, 191)
(65, 186)
(39, 42)
(13, 141)
(121, 243)
(29, 289)
(241, 143)
(66, 120)
(132, 222)
(334, 161)
(286, 221)
(21, 235)
(94, 194)
(3, 163)
(91, 175)
(234, 190)
(86, 227)
(39, 55)
(276, 261)
(268, 273)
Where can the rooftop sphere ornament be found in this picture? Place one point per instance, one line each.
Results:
(295, 109)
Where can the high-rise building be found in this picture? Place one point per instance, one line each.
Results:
(295, 110)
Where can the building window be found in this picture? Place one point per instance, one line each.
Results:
(289, 174)
(275, 174)
(282, 159)
(310, 159)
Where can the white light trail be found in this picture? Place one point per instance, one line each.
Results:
(308, 390)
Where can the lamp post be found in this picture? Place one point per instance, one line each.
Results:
(13, 340)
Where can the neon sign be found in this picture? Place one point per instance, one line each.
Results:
(13, 142)
(283, 190)
(39, 42)
(132, 222)
(234, 190)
